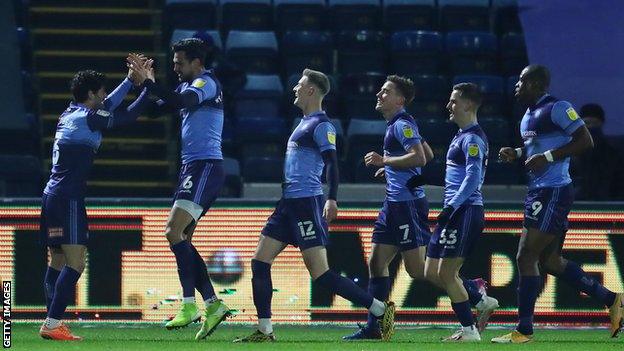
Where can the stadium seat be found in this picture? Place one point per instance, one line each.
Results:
(359, 92)
(246, 15)
(261, 96)
(354, 15)
(267, 148)
(400, 15)
(464, 14)
(263, 169)
(434, 171)
(306, 49)
(179, 34)
(364, 136)
(513, 53)
(472, 52)
(431, 96)
(254, 52)
(300, 15)
(492, 88)
(506, 17)
(233, 186)
(20, 176)
(415, 52)
(260, 129)
(498, 130)
(331, 102)
(191, 14)
(499, 172)
(361, 51)
(437, 132)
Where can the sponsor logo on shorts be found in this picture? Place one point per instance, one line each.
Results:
(56, 232)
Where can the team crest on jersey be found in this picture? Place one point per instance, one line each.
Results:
(473, 150)
(572, 114)
(103, 113)
(331, 137)
(408, 132)
(199, 83)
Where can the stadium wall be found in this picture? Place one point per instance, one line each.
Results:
(131, 273)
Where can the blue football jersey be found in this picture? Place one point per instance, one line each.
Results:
(401, 135)
(202, 124)
(304, 164)
(466, 163)
(549, 125)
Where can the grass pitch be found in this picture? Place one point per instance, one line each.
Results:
(127, 337)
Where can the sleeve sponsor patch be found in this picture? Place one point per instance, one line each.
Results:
(103, 113)
(408, 132)
(331, 137)
(473, 150)
(572, 114)
(198, 83)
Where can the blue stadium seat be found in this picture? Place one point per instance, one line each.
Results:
(513, 53)
(260, 129)
(364, 136)
(498, 130)
(464, 14)
(257, 149)
(354, 15)
(472, 52)
(434, 171)
(431, 96)
(399, 15)
(300, 15)
(233, 186)
(252, 15)
(261, 96)
(361, 51)
(263, 169)
(415, 52)
(437, 132)
(359, 94)
(499, 172)
(191, 14)
(20, 176)
(493, 90)
(254, 52)
(179, 34)
(306, 49)
(506, 17)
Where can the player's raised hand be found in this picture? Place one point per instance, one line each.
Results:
(507, 154)
(330, 211)
(380, 173)
(536, 162)
(373, 159)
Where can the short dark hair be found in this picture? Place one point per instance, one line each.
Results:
(194, 48)
(592, 110)
(469, 91)
(84, 82)
(538, 74)
(319, 79)
(405, 87)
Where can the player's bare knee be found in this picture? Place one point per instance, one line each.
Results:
(173, 236)
(553, 265)
(415, 272)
